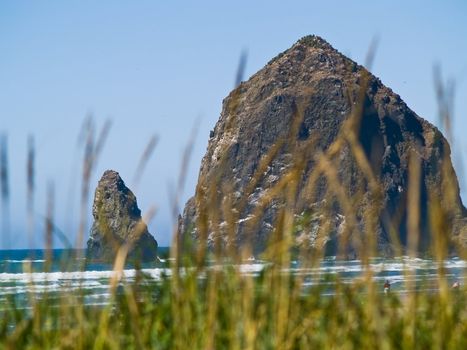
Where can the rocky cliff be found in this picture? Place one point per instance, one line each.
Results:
(350, 140)
(117, 221)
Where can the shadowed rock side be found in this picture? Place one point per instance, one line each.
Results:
(117, 221)
(314, 82)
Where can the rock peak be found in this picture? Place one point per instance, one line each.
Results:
(314, 41)
(310, 45)
(117, 221)
(109, 173)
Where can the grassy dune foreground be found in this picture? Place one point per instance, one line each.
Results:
(227, 309)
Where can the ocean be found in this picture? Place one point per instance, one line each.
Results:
(25, 272)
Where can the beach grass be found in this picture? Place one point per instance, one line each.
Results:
(227, 309)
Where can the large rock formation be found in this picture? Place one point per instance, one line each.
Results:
(117, 221)
(305, 103)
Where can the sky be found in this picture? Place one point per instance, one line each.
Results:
(163, 67)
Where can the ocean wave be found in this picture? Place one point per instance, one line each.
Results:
(24, 261)
(396, 270)
(37, 289)
(251, 268)
(378, 267)
(155, 273)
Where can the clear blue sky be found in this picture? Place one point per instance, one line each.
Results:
(154, 67)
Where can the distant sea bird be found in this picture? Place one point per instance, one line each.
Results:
(456, 285)
(387, 286)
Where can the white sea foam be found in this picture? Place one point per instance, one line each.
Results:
(256, 267)
(155, 273)
(99, 296)
(24, 261)
(398, 271)
(251, 268)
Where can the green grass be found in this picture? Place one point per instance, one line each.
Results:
(229, 310)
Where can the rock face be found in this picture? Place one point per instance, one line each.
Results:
(321, 87)
(117, 221)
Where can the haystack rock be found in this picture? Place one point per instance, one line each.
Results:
(117, 221)
(318, 84)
